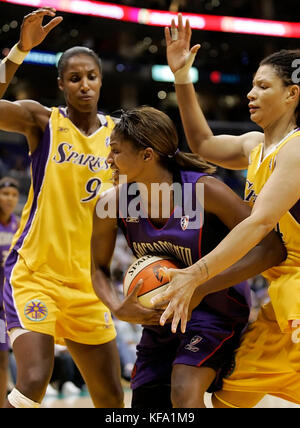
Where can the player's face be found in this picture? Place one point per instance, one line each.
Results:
(267, 98)
(125, 159)
(81, 83)
(9, 197)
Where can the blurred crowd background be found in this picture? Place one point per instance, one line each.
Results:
(226, 63)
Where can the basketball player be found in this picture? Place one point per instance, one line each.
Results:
(48, 293)
(144, 147)
(268, 360)
(9, 196)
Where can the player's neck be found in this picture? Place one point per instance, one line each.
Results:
(87, 123)
(276, 132)
(156, 174)
(152, 198)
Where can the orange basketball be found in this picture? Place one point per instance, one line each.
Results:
(147, 269)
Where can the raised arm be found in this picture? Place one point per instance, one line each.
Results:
(102, 248)
(26, 117)
(227, 151)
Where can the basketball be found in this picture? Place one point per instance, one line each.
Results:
(147, 269)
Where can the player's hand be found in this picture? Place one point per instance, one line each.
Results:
(32, 30)
(130, 310)
(178, 44)
(183, 283)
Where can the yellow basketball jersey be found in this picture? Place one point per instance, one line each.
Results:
(68, 172)
(284, 279)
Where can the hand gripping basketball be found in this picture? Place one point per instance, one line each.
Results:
(179, 293)
(148, 269)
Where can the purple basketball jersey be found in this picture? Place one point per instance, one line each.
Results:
(216, 323)
(184, 238)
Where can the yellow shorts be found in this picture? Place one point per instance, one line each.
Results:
(36, 302)
(267, 362)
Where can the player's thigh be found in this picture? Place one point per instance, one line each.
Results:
(98, 364)
(236, 399)
(34, 352)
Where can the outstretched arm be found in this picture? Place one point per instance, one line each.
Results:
(257, 259)
(32, 34)
(26, 117)
(268, 253)
(227, 151)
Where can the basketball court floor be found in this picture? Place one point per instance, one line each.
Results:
(84, 401)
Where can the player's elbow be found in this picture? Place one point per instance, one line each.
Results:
(200, 142)
(274, 249)
(262, 224)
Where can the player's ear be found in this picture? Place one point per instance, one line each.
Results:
(148, 154)
(60, 84)
(293, 92)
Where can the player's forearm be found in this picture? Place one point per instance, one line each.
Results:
(105, 290)
(10, 64)
(7, 72)
(268, 253)
(243, 238)
(195, 125)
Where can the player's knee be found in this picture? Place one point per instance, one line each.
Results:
(34, 381)
(108, 398)
(182, 398)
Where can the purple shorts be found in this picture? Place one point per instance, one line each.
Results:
(209, 341)
(4, 340)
